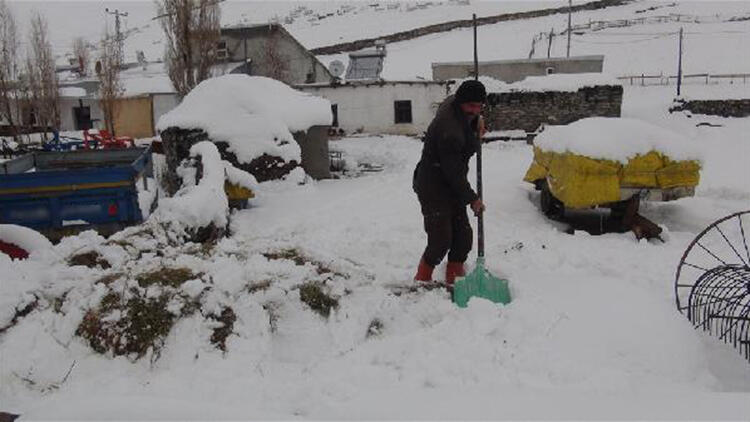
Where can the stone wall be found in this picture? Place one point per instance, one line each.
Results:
(723, 108)
(528, 110)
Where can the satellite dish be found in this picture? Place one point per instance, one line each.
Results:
(337, 68)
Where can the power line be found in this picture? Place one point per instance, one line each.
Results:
(626, 42)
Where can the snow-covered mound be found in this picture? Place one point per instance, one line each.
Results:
(254, 115)
(616, 139)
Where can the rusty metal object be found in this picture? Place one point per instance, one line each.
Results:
(641, 226)
(712, 284)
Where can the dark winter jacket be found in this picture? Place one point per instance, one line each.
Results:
(441, 174)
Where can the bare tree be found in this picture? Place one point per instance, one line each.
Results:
(41, 76)
(192, 31)
(277, 64)
(110, 87)
(8, 67)
(81, 53)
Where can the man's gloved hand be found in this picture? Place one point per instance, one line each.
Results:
(480, 127)
(478, 207)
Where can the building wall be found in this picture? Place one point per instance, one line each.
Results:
(528, 110)
(298, 61)
(163, 103)
(67, 117)
(515, 70)
(134, 117)
(137, 116)
(370, 108)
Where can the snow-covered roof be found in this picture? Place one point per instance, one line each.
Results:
(253, 114)
(147, 84)
(595, 57)
(559, 82)
(616, 139)
(563, 82)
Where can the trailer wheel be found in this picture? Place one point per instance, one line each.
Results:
(551, 206)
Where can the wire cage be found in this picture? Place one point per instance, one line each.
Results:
(712, 284)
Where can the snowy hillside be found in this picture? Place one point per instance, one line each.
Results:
(314, 23)
(713, 44)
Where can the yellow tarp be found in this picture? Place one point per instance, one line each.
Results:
(237, 192)
(581, 182)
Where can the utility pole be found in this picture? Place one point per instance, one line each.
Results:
(549, 46)
(118, 34)
(679, 67)
(570, 13)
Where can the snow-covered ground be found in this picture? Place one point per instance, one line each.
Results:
(592, 332)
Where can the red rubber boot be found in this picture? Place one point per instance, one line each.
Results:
(424, 272)
(453, 270)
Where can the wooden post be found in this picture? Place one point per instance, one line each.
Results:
(549, 47)
(570, 12)
(679, 67)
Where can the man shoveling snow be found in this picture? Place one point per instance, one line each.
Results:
(441, 182)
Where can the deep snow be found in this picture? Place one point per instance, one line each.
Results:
(592, 332)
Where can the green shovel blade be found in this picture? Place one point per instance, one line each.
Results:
(480, 283)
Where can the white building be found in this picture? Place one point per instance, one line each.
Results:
(376, 106)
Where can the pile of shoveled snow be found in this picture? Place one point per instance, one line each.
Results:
(616, 139)
(253, 114)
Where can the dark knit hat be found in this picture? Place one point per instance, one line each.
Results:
(471, 91)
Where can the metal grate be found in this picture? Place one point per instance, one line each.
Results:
(712, 285)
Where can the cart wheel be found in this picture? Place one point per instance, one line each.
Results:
(712, 284)
(551, 206)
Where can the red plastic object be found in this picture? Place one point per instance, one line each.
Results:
(106, 140)
(13, 251)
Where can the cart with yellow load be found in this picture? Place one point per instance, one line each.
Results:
(613, 163)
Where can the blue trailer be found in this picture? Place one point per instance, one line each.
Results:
(54, 192)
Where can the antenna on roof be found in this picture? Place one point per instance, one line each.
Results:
(380, 46)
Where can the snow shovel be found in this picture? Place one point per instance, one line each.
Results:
(480, 282)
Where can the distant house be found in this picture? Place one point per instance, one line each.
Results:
(510, 71)
(376, 106)
(365, 103)
(269, 50)
(145, 100)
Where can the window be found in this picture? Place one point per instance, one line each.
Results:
(221, 50)
(335, 112)
(82, 117)
(550, 70)
(402, 111)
